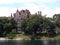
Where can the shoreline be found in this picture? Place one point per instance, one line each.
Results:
(3, 39)
(10, 39)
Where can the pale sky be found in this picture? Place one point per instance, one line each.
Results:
(48, 7)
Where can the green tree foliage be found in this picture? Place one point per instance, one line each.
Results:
(36, 24)
(56, 18)
(6, 26)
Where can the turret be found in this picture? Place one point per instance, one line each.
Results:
(17, 10)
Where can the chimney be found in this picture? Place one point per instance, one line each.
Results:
(39, 13)
(11, 15)
(17, 10)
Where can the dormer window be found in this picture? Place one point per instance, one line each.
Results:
(23, 10)
(19, 13)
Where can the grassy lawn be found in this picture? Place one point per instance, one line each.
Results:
(28, 36)
(22, 36)
(57, 37)
(43, 37)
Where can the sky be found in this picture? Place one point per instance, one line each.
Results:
(48, 7)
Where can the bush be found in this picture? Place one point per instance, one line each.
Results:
(58, 30)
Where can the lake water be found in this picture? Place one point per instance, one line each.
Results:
(29, 42)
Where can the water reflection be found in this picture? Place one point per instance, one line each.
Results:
(45, 42)
(34, 42)
(29, 42)
(51, 42)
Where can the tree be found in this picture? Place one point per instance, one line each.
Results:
(56, 18)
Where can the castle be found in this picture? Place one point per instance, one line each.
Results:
(20, 15)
